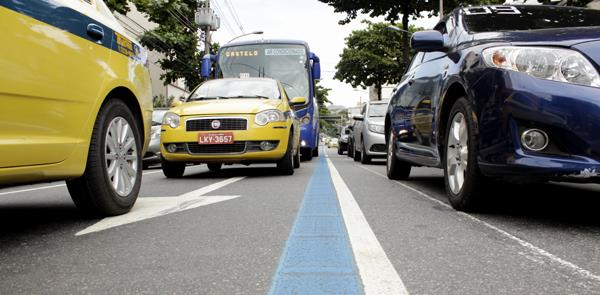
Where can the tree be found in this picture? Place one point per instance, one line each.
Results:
(392, 10)
(176, 36)
(322, 94)
(372, 56)
(120, 6)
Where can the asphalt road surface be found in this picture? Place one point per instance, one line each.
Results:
(334, 227)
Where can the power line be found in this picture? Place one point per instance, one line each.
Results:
(225, 21)
(234, 13)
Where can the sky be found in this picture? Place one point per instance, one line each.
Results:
(308, 20)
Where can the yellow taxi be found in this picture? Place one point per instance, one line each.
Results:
(227, 121)
(75, 101)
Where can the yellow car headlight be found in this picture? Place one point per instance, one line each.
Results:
(171, 119)
(265, 117)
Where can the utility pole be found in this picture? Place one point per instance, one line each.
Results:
(207, 31)
(441, 9)
(208, 21)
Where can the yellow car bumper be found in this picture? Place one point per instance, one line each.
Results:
(246, 149)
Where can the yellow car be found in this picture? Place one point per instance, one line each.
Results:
(75, 101)
(228, 121)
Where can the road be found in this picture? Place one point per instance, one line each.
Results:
(334, 227)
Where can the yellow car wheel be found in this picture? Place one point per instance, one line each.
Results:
(297, 158)
(172, 169)
(214, 166)
(113, 175)
(286, 164)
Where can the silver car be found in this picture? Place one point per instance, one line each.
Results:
(369, 138)
(152, 155)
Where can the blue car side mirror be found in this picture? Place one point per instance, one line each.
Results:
(428, 41)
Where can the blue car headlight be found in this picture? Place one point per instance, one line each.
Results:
(265, 117)
(556, 64)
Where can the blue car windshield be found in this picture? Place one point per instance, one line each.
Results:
(520, 18)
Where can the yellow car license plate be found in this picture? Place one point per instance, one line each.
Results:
(215, 138)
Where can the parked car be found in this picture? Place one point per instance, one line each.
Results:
(152, 155)
(343, 139)
(369, 138)
(351, 140)
(333, 143)
(226, 121)
(76, 102)
(505, 92)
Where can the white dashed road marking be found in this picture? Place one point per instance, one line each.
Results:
(532, 248)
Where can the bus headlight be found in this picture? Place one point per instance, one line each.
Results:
(171, 119)
(265, 117)
(305, 120)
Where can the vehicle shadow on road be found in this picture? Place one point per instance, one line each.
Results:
(24, 219)
(552, 203)
(228, 172)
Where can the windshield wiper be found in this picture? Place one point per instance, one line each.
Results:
(250, 96)
(210, 97)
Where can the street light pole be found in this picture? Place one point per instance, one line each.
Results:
(251, 33)
(441, 9)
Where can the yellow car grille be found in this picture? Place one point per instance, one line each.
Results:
(209, 124)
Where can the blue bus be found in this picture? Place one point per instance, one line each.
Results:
(290, 62)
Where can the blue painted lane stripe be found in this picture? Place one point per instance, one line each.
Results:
(317, 258)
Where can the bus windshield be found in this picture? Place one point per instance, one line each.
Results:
(287, 63)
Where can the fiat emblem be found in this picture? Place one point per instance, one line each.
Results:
(215, 124)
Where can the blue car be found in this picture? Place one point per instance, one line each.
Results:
(500, 92)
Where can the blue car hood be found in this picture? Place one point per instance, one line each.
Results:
(591, 49)
(564, 37)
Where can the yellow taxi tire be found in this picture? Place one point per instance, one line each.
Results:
(172, 169)
(214, 166)
(297, 158)
(286, 164)
(93, 192)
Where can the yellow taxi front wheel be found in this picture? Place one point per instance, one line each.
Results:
(286, 164)
(113, 174)
(172, 169)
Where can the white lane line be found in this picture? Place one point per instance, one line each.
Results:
(53, 186)
(534, 249)
(377, 273)
(146, 208)
(32, 189)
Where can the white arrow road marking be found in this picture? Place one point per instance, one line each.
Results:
(146, 208)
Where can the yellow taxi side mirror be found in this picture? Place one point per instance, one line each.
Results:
(298, 101)
(176, 102)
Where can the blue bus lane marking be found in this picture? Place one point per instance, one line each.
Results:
(318, 258)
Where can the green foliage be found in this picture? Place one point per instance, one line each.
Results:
(322, 94)
(120, 6)
(175, 37)
(372, 56)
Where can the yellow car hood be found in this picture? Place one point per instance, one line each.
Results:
(226, 106)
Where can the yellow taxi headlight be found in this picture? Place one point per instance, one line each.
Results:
(265, 117)
(171, 119)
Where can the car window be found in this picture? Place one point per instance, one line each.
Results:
(377, 110)
(417, 58)
(432, 55)
(518, 18)
(236, 88)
